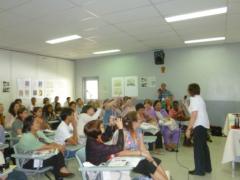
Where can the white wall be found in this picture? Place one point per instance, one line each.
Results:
(215, 68)
(15, 65)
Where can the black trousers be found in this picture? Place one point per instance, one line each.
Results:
(57, 162)
(202, 158)
(158, 142)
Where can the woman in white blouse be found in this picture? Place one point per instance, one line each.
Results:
(88, 114)
(198, 124)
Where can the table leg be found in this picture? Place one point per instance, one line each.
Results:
(233, 168)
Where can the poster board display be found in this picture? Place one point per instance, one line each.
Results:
(117, 87)
(131, 86)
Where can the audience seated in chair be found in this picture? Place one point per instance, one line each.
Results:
(88, 114)
(2, 117)
(96, 151)
(134, 146)
(170, 130)
(66, 133)
(13, 108)
(66, 103)
(127, 106)
(57, 110)
(32, 105)
(37, 112)
(178, 114)
(31, 141)
(111, 108)
(48, 113)
(55, 102)
(145, 116)
(79, 103)
(17, 125)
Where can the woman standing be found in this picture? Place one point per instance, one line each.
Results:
(199, 123)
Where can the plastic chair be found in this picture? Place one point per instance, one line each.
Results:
(81, 158)
(21, 159)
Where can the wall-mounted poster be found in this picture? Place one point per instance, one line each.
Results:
(49, 88)
(38, 88)
(143, 82)
(152, 81)
(5, 86)
(148, 81)
(24, 88)
(131, 86)
(117, 87)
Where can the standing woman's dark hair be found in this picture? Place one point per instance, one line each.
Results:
(199, 124)
(194, 89)
(27, 124)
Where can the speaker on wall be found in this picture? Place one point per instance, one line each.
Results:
(159, 57)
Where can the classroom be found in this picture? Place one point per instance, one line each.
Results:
(119, 89)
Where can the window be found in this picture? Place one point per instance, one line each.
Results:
(90, 88)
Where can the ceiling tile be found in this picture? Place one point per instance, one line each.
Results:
(160, 1)
(131, 25)
(156, 22)
(69, 17)
(8, 4)
(36, 8)
(102, 7)
(10, 20)
(133, 15)
(234, 7)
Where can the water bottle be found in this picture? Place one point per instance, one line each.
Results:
(163, 103)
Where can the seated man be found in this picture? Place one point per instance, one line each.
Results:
(66, 133)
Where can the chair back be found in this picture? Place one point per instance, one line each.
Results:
(81, 156)
(18, 161)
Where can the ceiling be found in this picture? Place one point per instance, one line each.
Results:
(129, 25)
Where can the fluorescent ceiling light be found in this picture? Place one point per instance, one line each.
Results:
(198, 14)
(107, 51)
(63, 39)
(204, 40)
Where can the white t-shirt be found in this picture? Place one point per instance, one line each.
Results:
(63, 132)
(197, 104)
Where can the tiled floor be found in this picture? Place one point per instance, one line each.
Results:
(185, 157)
